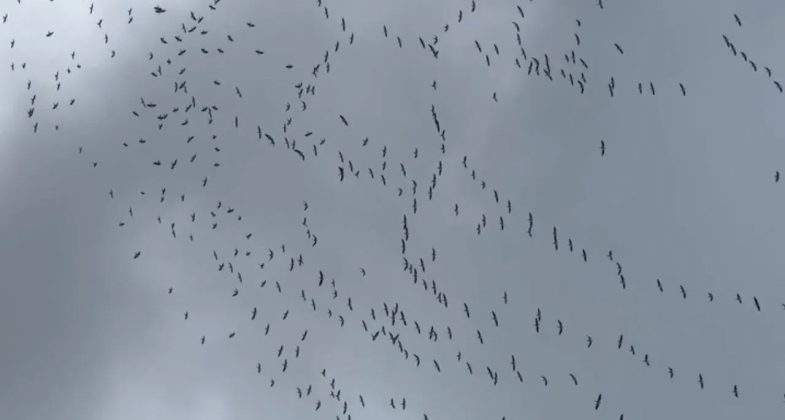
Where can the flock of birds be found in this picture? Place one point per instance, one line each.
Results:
(412, 177)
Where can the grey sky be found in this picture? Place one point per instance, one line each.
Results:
(685, 193)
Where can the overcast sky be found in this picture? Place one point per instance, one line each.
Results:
(684, 193)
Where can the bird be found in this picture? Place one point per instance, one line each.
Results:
(597, 402)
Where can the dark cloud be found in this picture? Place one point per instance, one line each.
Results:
(684, 194)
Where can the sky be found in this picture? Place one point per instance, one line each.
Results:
(683, 192)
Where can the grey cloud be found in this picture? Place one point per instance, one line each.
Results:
(685, 194)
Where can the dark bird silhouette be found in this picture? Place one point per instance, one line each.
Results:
(597, 402)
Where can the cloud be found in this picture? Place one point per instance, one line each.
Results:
(93, 333)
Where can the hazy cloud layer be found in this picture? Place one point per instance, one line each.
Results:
(685, 193)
